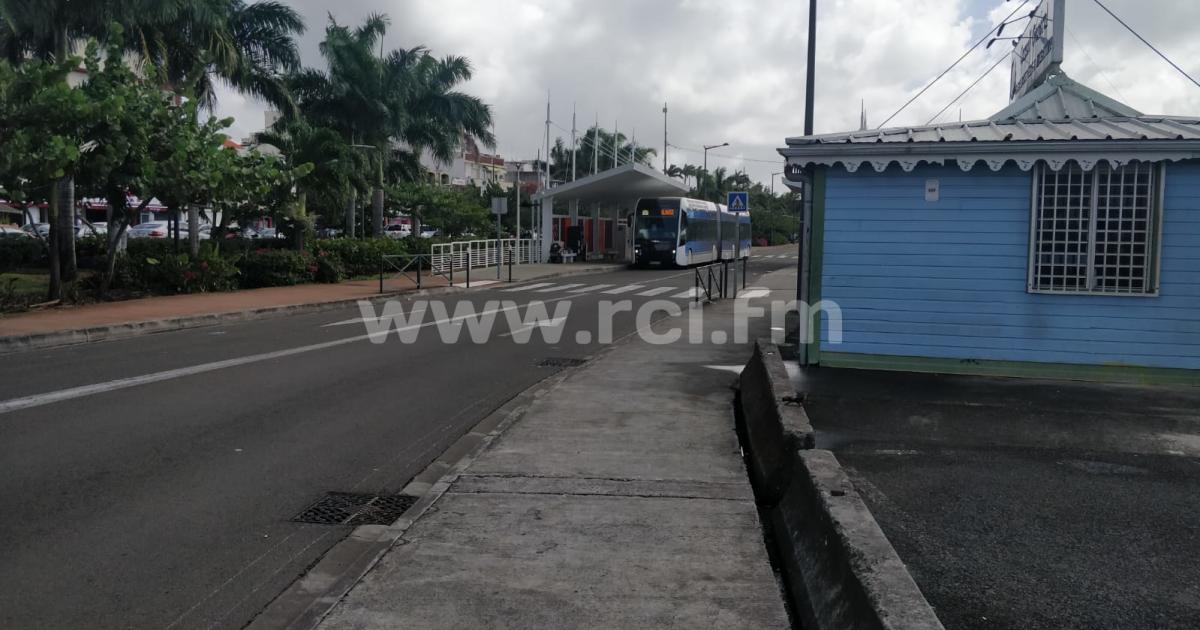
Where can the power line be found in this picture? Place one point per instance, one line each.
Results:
(964, 92)
(1099, 68)
(953, 65)
(1135, 34)
(723, 155)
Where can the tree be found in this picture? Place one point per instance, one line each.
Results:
(377, 101)
(185, 44)
(336, 167)
(44, 139)
(454, 211)
(560, 154)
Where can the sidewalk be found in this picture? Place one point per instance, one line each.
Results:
(617, 500)
(160, 309)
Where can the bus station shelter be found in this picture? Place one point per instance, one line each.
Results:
(600, 205)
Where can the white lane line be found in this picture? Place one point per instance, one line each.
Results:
(362, 320)
(552, 323)
(527, 287)
(38, 400)
(657, 291)
(689, 294)
(625, 289)
(750, 294)
(560, 288)
(588, 289)
(475, 283)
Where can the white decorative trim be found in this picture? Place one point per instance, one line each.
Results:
(1023, 161)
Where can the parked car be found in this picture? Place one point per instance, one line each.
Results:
(270, 232)
(37, 229)
(153, 229)
(97, 228)
(397, 231)
(428, 232)
(10, 232)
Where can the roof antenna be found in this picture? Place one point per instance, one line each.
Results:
(862, 125)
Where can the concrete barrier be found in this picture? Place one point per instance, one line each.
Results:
(839, 570)
(780, 424)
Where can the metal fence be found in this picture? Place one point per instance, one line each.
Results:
(447, 257)
(718, 280)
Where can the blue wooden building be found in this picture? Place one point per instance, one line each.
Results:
(1060, 237)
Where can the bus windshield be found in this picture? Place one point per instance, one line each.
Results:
(657, 228)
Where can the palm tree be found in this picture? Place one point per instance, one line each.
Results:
(337, 167)
(377, 101)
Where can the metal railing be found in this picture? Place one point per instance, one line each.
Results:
(715, 282)
(406, 266)
(448, 257)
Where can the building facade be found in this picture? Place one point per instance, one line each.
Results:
(1060, 237)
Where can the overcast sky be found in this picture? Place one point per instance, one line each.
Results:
(733, 70)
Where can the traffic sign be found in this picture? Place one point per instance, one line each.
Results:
(738, 201)
(499, 205)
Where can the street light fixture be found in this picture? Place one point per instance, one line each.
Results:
(706, 148)
(773, 175)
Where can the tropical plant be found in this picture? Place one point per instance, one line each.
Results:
(596, 148)
(403, 101)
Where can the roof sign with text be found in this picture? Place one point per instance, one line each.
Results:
(1039, 50)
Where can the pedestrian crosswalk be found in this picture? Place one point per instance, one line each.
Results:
(792, 256)
(580, 289)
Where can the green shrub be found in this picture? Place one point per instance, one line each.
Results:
(329, 267)
(176, 273)
(17, 252)
(276, 268)
(90, 251)
(361, 257)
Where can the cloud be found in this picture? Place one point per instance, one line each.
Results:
(734, 71)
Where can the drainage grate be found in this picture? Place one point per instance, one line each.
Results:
(345, 508)
(563, 362)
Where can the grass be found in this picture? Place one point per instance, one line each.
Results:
(23, 284)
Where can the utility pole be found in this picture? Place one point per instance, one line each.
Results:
(573, 142)
(547, 139)
(616, 149)
(664, 137)
(804, 321)
(811, 77)
(633, 147)
(517, 186)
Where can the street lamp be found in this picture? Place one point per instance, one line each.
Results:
(773, 175)
(704, 192)
(377, 196)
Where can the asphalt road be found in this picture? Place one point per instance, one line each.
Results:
(166, 503)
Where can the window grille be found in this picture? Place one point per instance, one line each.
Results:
(1095, 231)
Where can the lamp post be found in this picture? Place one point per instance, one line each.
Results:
(773, 176)
(377, 196)
(704, 193)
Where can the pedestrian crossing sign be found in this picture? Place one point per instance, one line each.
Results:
(738, 201)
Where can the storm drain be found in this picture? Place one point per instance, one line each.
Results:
(346, 508)
(561, 362)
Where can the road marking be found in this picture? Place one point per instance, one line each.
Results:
(689, 294)
(363, 320)
(552, 323)
(657, 291)
(47, 398)
(475, 283)
(527, 287)
(560, 288)
(625, 289)
(594, 287)
(750, 294)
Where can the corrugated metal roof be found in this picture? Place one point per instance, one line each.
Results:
(1113, 128)
(1058, 109)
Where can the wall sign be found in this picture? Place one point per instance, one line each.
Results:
(933, 190)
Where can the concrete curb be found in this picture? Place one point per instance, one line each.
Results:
(839, 569)
(125, 330)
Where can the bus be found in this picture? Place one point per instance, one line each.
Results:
(678, 231)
